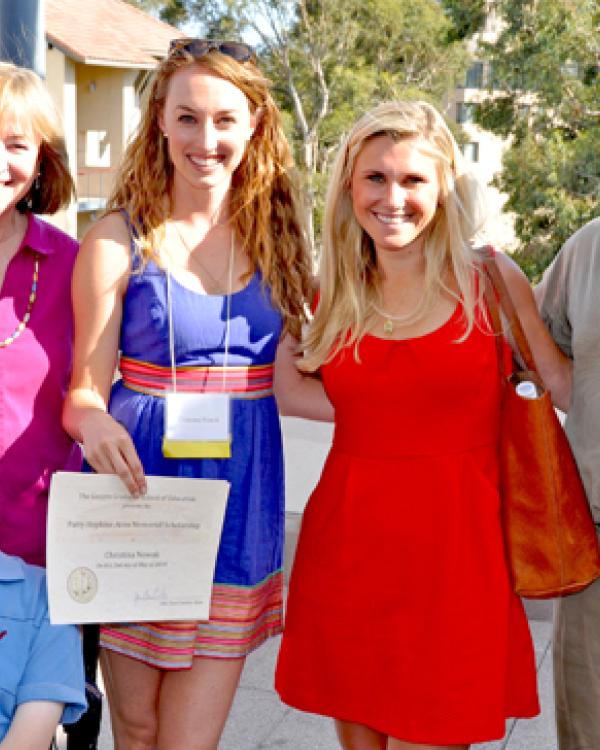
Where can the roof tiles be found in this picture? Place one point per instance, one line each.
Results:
(107, 32)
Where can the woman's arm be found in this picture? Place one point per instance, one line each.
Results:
(32, 726)
(99, 283)
(554, 367)
(297, 394)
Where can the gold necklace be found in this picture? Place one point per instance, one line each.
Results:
(388, 319)
(32, 297)
(216, 282)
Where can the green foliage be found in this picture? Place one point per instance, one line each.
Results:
(410, 48)
(356, 53)
(546, 99)
(174, 12)
(467, 17)
(553, 185)
(331, 60)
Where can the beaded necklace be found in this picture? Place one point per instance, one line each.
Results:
(32, 295)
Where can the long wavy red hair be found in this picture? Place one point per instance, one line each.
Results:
(264, 203)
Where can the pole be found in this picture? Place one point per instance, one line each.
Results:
(22, 34)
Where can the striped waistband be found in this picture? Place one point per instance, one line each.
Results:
(251, 382)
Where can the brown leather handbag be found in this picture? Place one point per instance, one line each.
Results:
(551, 541)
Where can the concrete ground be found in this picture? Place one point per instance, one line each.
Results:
(259, 721)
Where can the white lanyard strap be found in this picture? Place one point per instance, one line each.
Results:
(171, 336)
(228, 309)
(227, 320)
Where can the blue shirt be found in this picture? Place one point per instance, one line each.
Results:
(38, 661)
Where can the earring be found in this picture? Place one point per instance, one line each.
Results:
(34, 190)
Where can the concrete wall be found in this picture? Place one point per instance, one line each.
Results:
(305, 445)
(107, 113)
(99, 111)
(60, 80)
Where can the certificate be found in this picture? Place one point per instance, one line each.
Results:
(115, 558)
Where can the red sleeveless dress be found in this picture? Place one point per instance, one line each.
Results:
(400, 612)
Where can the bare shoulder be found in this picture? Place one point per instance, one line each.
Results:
(106, 250)
(508, 268)
(110, 229)
(513, 276)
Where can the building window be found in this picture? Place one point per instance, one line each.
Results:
(465, 112)
(97, 148)
(490, 25)
(524, 111)
(570, 69)
(471, 151)
(474, 78)
(492, 79)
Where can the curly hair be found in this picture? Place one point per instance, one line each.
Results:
(349, 279)
(264, 202)
(25, 100)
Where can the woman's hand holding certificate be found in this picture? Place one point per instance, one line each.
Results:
(114, 558)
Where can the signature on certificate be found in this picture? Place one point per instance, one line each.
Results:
(155, 594)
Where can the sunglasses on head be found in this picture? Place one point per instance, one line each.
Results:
(239, 51)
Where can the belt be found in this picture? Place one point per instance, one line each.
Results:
(250, 382)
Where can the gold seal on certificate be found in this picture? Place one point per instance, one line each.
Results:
(115, 558)
(82, 585)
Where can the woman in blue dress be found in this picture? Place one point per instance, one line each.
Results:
(198, 273)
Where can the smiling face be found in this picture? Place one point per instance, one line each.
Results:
(207, 122)
(19, 152)
(395, 192)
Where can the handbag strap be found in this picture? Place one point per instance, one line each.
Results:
(496, 290)
(491, 301)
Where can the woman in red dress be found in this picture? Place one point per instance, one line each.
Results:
(401, 623)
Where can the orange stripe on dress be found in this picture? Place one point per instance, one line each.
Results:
(241, 618)
(255, 381)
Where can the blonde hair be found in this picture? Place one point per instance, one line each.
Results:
(25, 99)
(264, 204)
(349, 279)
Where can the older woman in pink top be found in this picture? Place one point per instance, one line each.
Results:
(36, 261)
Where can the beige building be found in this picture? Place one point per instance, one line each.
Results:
(483, 149)
(99, 55)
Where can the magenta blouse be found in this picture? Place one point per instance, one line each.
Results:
(34, 375)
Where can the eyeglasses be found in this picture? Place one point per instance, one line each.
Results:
(239, 51)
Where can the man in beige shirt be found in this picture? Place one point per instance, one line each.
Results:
(569, 301)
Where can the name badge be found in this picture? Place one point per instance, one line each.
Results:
(197, 425)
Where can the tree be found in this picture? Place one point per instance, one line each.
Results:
(331, 60)
(174, 12)
(546, 100)
(467, 17)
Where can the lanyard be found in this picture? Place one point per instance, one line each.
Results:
(227, 319)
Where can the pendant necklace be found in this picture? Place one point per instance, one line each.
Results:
(216, 282)
(32, 296)
(388, 320)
